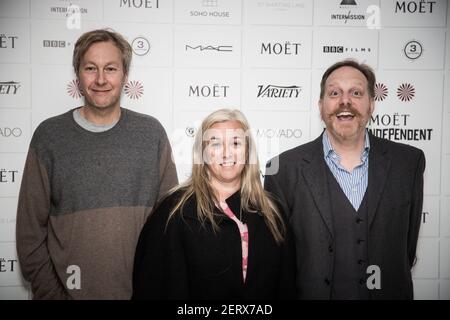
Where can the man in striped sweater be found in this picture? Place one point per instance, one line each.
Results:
(91, 178)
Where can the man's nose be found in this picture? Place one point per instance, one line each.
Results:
(100, 78)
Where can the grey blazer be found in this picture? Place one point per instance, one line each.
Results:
(395, 197)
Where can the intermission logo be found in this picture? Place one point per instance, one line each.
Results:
(209, 48)
(8, 176)
(134, 90)
(413, 49)
(342, 49)
(8, 41)
(9, 87)
(416, 7)
(208, 91)
(405, 92)
(348, 5)
(140, 46)
(138, 4)
(73, 89)
(277, 48)
(8, 264)
(275, 91)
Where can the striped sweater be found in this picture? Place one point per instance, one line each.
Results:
(83, 200)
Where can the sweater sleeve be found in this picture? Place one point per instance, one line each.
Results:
(167, 171)
(32, 231)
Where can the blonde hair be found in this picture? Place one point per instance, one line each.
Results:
(254, 198)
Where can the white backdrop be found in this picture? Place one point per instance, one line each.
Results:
(194, 56)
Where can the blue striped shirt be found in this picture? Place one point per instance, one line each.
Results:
(353, 184)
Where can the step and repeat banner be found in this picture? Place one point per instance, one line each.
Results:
(265, 57)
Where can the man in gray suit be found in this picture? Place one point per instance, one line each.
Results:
(354, 200)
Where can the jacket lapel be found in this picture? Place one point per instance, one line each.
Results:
(314, 172)
(379, 165)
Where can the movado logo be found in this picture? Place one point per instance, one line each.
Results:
(7, 132)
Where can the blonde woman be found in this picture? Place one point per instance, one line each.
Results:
(219, 235)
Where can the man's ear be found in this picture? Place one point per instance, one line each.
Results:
(372, 106)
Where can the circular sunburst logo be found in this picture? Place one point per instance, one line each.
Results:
(381, 92)
(73, 89)
(406, 92)
(134, 89)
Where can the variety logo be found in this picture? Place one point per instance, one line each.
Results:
(414, 6)
(74, 90)
(7, 41)
(209, 48)
(274, 91)
(146, 4)
(9, 87)
(286, 48)
(134, 90)
(405, 92)
(141, 46)
(413, 49)
(381, 92)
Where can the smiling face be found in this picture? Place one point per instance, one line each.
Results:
(225, 152)
(102, 76)
(346, 106)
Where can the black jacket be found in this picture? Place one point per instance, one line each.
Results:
(185, 260)
(394, 199)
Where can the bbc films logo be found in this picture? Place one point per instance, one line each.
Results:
(342, 49)
(413, 50)
(55, 44)
(405, 92)
(277, 91)
(140, 46)
(9, 87)
(208, 48)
